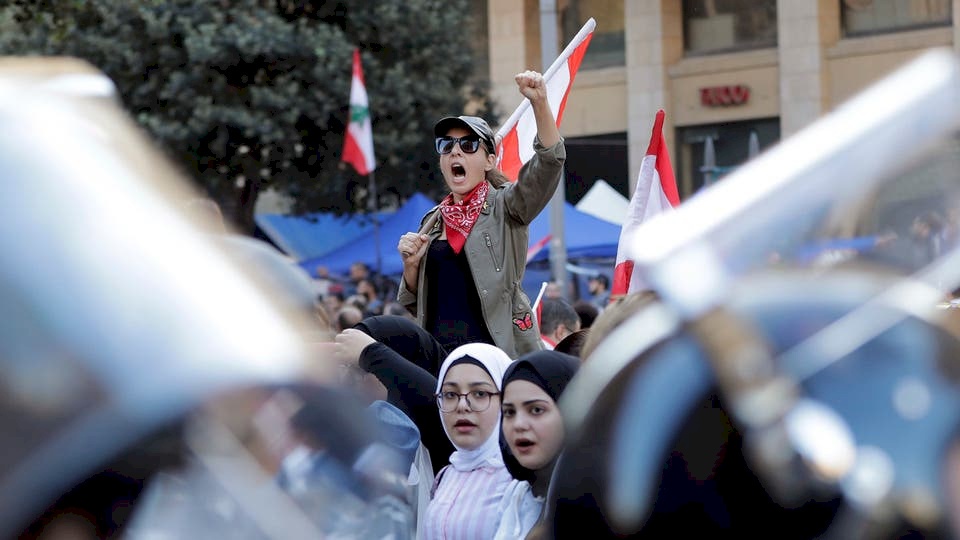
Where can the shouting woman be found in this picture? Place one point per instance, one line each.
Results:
(462, 272)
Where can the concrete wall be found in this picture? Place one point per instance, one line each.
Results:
(508, 44)
(596, 103)
(652, 36)
(756, 69)
(854, 64)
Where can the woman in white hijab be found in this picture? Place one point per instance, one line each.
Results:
(468, 492)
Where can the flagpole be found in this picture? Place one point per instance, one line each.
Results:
(373, 207)
(358, 146)
(548, 46)
(536, 303)
(546, 56)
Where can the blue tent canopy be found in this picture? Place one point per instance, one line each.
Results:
(364, 248)
(312, 235)
(586, 237)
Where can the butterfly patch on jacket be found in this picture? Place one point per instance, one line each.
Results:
(525, 322)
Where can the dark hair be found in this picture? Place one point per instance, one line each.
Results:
(573, 343)
(373, 285)
(361, 264)
(602, 278)
(496, 178)
(587, 312)
(553, 312)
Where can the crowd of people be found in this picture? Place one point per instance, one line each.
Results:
(347, 301)
(455, 353)
(460, 371)
(486, 462)
(362, 294)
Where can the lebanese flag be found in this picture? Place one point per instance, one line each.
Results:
(520, 129)
(358, 144)
(656, 193)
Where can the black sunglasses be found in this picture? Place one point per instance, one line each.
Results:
(469, 144)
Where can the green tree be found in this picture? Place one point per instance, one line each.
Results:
(245, 94)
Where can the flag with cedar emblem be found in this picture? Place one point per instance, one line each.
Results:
(358, 144)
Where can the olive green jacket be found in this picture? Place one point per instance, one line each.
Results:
(496, 251)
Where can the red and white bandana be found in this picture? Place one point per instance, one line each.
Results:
(458, 218)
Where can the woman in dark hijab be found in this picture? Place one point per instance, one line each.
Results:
(533, 430)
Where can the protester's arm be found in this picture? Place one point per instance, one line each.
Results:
(539, 177)
(533, 87)
(406, 382)
(412, 246)
(411, 383)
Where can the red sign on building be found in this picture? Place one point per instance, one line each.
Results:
(724, 96)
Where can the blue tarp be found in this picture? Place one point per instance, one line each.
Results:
(311, 235)
(586, 237)
(364, 248)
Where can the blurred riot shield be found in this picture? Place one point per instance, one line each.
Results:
(159, 377)
(798, 376)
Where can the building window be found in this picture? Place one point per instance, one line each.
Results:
(594, 157)
(701, 163)
(863, 17)
(711, 26)
(607, 47)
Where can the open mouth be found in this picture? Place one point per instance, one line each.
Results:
(464, 427)
(523, 443)
(458, 170)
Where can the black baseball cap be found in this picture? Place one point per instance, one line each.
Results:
(475, 124)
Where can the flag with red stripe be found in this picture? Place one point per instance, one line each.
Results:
(358, 143)
(519, 130)
(656, 193)
(537, 247)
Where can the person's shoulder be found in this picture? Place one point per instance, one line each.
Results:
(498, 194)
(513, 493)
